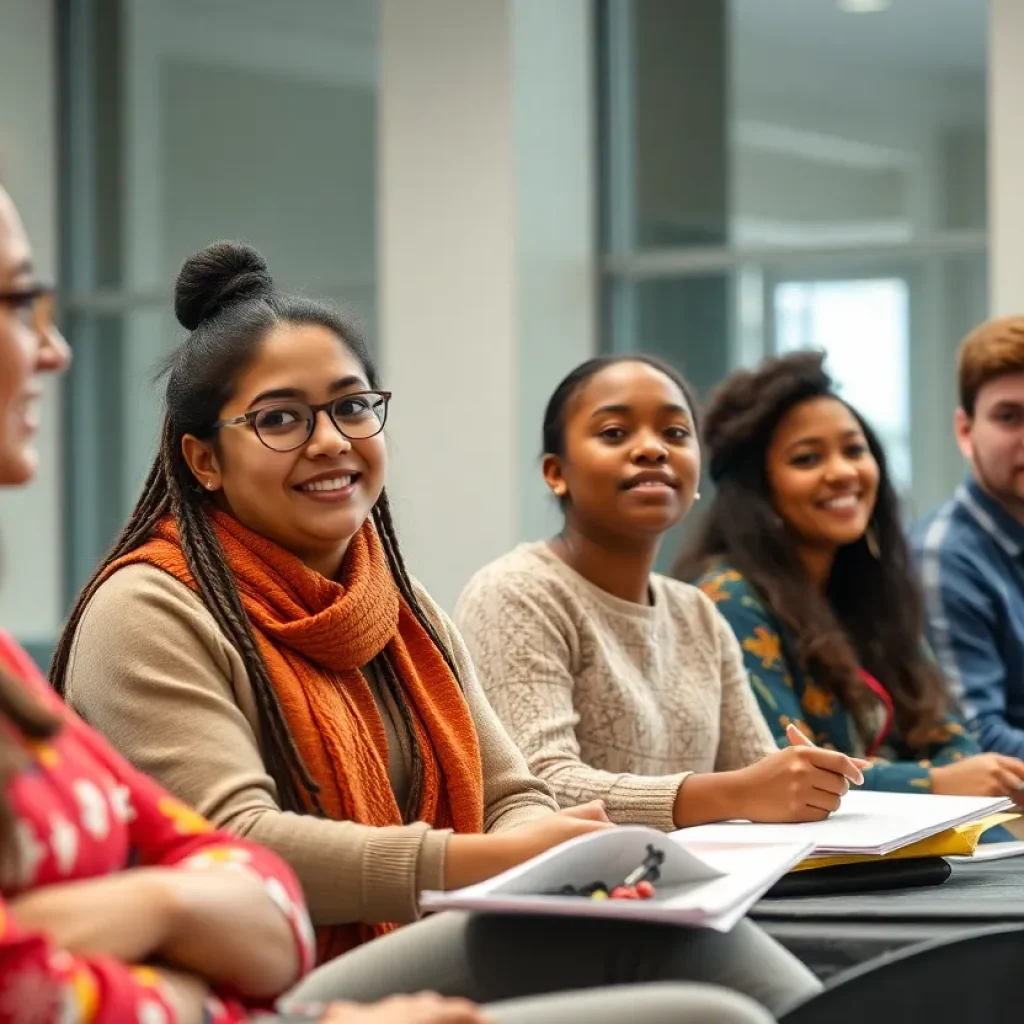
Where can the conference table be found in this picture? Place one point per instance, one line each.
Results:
(830, 933)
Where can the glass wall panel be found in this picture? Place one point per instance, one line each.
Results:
(190, 121)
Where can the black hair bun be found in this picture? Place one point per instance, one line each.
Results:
(214, 277)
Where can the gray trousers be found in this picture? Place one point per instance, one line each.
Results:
(494, 959)
(657, 1003)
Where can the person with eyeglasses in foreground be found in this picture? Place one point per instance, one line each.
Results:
(255, 641)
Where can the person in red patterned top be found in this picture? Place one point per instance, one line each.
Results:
(102, 862)
(118, 903)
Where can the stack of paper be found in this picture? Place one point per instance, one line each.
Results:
(866, 824)
(707, 884)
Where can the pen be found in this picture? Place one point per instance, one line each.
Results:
(798, 739)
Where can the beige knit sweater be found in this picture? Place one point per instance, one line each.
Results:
(151, 669)
(606, 698)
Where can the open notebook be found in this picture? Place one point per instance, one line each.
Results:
(712, 874)
(866, 824)
(707, 884)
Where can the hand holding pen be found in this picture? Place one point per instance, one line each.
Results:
(802, 782)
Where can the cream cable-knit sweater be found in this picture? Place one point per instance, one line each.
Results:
(606, 698)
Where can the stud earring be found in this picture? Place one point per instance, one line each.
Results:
(209, 485)
(559, 490)
(696, 495)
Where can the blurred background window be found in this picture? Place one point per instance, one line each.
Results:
(791, 174)
(189, 121)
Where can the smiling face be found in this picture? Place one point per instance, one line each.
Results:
(822, 475)
(313, 500)
(631, 462)
(993, 440)
(28, 348)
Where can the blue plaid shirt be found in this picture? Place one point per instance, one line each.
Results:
(970, 554)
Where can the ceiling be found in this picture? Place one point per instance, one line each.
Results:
(940, 35)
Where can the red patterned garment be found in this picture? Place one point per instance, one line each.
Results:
(81, 812)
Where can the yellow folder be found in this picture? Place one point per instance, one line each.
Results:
(960, 841)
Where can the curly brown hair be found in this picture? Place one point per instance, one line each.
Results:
(871, 615)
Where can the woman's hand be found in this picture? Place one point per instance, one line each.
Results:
(981, 775)
(472, 858)
(425, 1008)
(593, 811)
(800, 783)
(539, 836)
(803, 782)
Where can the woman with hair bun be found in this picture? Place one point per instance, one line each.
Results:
(803, 551)
(255, 641)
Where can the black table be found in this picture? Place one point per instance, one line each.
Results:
(830, 933)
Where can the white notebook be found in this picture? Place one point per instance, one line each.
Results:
(710, 885)
(867, 823)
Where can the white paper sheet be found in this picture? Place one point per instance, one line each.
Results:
(866, 823)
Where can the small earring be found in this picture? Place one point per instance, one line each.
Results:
(209, 485)
(559, 490)
(696, 495)
(871, 539)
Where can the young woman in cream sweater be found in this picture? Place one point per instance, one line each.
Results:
(617, 683)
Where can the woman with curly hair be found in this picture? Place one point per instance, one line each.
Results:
(802, 550)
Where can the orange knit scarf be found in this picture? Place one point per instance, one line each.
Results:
(314, 635)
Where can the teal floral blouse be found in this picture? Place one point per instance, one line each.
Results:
(787, 694)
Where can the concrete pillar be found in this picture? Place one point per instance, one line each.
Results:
(486, 279)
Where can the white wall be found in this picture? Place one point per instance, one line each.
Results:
(555, 244)
(30, 519)
(447, 281)
(486, 262)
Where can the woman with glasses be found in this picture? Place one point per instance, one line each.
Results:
(255, 641)
(118, 903)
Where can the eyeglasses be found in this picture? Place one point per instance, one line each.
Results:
(288, 426)
(33, 306)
